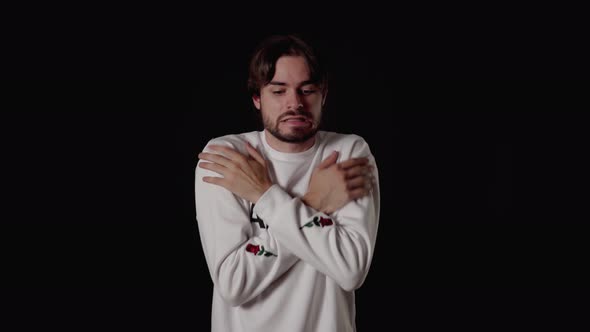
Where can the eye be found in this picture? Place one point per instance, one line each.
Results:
(278, 92)
(307, 91)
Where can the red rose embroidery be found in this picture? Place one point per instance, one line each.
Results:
(253, 249)
(325, 222)
(319, 222)
(259, 251)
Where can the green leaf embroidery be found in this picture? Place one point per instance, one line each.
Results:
(319, 222)
(266, 253)
(259, 251)
(309, 224)
(316, 221)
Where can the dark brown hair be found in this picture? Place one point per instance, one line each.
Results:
(263, 62)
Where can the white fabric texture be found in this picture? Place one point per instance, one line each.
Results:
(281, 265)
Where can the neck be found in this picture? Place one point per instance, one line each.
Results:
(287, 147)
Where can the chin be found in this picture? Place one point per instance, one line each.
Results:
(295, 136)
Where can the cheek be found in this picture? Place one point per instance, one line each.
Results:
(315, 106)
(270, 103)
(270, 110)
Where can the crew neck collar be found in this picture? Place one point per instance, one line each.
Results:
(289, 156)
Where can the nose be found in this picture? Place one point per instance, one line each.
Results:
(294, 101)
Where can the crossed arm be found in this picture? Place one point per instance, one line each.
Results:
(331, 187)
(341, 252)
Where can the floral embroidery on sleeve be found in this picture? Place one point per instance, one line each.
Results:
(259, 250)
(318, 221)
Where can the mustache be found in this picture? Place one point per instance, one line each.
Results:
(301, 113)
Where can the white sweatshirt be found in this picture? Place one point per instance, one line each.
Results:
(281, 266)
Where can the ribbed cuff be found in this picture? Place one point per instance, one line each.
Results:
(272, 198)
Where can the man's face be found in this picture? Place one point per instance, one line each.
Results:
(290, 104)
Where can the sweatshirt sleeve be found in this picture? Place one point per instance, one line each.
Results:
(340, 245)
(241, 264)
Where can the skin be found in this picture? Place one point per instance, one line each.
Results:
(245, 176)
(290, 95)
(291, 109)
(333, 185)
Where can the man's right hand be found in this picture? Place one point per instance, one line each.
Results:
(333, 185)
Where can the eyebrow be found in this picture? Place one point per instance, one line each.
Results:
(285, 84)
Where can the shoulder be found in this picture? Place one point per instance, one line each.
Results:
(235, 141)
(348, 145)
(330, 137)
(353, 143)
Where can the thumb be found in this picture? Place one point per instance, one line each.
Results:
(331, 160)
(255, 154)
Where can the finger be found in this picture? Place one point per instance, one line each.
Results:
(216, 158)
(355, 171)
(358, 193)
(359, 182)
(255, 154)
(353, 162)
(366, 180)
(231, 154)
(214, 167)
(214, 180)
(331, 160)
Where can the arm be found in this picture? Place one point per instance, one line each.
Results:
(236, 264)
(340, 245)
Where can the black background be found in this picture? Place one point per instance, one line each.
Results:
(483, 182)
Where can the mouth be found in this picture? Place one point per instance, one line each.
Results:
(297, 122)
(296, 119)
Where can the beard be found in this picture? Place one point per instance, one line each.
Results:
(296, 135)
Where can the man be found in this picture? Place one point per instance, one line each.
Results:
(288, 232)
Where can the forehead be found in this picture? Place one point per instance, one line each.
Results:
(291, 70)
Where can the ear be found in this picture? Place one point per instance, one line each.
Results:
(256, 100)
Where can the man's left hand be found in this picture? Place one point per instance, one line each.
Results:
(245, 176)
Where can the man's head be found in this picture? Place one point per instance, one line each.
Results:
(289, 87)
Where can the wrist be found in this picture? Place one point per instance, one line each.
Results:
(261, 192)
(311, 200)
(307, 199)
